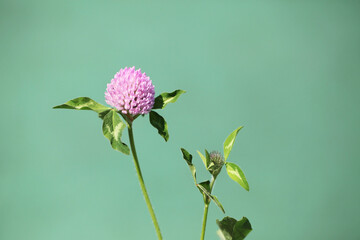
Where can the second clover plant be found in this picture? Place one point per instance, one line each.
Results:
(230, 228)
(131, 94)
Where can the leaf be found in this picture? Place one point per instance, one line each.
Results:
(231, 229)
(85, 103)
(217, 202)
(188, 158)
(112, 130)
(241, 229)
(204, 159)
(160, 124)
(204, 188)
(163, 99)
(229, 142)
(226, 226)
(236, 174)
(103, 114)
(207, 155)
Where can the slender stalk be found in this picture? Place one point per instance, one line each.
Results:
(141, 180)
(206, 210)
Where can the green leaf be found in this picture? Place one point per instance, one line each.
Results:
(207, 155)
(188, 158)
(205, 160)
(241, 229)
(112, 130)
(231, 229)
(226, 227)
(229, 142)
(85, 103)
(217, 202)
(160, 124)
(236, 174)
(163, 99)
(204, 188)
(103, 114)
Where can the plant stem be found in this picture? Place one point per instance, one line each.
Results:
(141, 180)
(206, 209)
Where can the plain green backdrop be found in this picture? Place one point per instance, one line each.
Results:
(289, 71)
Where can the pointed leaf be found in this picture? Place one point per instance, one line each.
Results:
(84, 103)
(207, 155)
(204, 159)
(236, 174)
(112, 130)
(163, 99)
(160, 124)
(226, 226)
(204, 188)
(229, 142)
(217, 202)
(188, 158)
(241, 229)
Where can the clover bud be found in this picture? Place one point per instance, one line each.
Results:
(216, 163)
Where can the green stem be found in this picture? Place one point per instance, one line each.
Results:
(206, 210)
(141, 180)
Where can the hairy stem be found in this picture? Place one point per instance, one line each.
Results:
(206, 210)
(142, 184)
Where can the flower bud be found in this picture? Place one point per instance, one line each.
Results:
(216, 163)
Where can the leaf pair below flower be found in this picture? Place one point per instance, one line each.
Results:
(112, 123)
(163, 99)
(229, 142)
(156, 120)
(236, 174)
(233, 170)
(85, 103)
(112, 130)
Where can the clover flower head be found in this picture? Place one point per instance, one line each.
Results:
(131, 92)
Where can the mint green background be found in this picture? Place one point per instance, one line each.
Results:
(286, 70)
